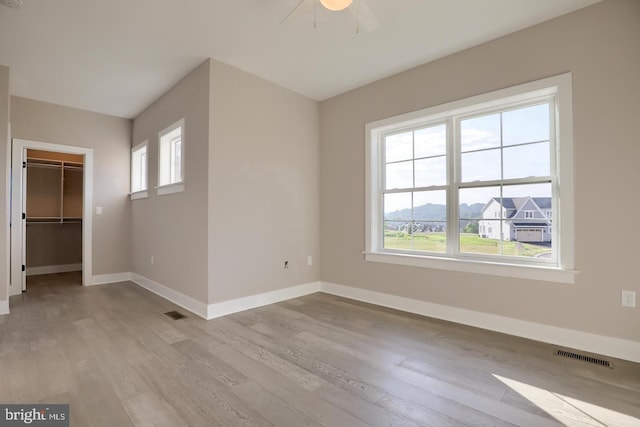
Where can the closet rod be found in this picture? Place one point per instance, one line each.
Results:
(44, 165)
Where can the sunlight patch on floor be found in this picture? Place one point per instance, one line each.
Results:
(568, 410)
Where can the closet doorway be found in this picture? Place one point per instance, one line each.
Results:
(50, 211)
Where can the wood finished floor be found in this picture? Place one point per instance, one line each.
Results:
(318, 360)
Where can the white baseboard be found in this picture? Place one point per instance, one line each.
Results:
(245, 303)
(184, 301)
(51, 269)
(4, 307)
(608, 346)
(103, 279)
(593, 343)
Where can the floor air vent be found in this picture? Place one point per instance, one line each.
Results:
(582, 357)
(175, 315)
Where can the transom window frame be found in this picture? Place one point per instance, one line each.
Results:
(142, 192)
(175, 186)
(558, 90)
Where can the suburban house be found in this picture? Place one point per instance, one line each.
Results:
(525, 219)
(193, 212)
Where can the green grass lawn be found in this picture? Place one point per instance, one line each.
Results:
(470, 243)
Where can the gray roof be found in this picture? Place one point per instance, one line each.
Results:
(515, 203)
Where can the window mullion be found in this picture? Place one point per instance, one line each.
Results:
(453, 178)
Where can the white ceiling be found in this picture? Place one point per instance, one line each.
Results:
(118, 56)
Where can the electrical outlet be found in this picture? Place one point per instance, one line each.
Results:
(309, 260)
(628, 298)
(151, 259)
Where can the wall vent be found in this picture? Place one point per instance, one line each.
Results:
(582, 357)
(175, 315)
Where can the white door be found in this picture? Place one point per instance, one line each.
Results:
(18, 222)
(18, 202)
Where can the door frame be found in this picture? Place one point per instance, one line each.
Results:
(18, 155)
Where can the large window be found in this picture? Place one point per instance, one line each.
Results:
(171, 159)
(139, 170)
(475, 184)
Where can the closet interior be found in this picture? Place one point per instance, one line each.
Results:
(53, 212)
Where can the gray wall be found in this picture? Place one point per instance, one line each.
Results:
(173, 227)
(251, 188)
(110, 138)
(263, 186)
(600, 46)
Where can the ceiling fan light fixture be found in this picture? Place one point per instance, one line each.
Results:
(336, 5)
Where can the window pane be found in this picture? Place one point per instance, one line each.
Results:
(527, 190)
(481, 165)
(430, 221)
(525, 161)
(397, 224)
(139, 169)
(399, 175)
(430, 236)
(430, 205)
(170, 167)
(528, 124)
(430, 141)
(143, 169)
(432, 171)
(479, 220)
(480, 132)
(397, 206)
(473, 201)
(528, 229)
(398, 147)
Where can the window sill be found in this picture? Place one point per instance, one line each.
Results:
(532, 272)
(139, 195)
(177, 187)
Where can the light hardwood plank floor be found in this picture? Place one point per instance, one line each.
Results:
(318, 360)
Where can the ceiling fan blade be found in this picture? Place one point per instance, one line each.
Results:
(292, 11)
(364, 16)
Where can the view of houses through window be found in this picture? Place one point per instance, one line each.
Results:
(496, 167)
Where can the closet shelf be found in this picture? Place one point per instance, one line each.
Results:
(53, 220)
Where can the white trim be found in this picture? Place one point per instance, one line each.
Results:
(519, 271)
(176, 187)
(560, 87)
(246, 303)
(599, 344)
(144, 144)
(142, 194)
(4, 307)
(7, 226)
(184, 301)
(19, 146)
(103, 279)
(179, 124)
(51, 269)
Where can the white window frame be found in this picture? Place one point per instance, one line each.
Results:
(143, 192)
(177, 185)
(562, 268)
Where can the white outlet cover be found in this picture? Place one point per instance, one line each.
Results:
(628, 298)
